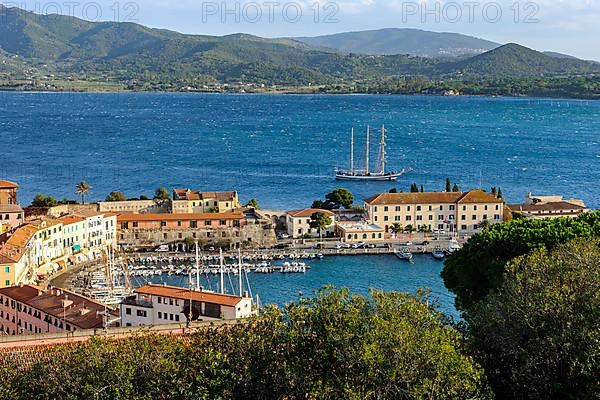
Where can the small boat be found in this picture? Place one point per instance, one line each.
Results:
(453, 247)
(438, 253)
(404, 254)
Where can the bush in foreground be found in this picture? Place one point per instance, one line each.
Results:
(538, 336)
(332, 346)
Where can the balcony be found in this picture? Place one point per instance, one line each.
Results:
(132, 301)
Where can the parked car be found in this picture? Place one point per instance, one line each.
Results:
(407, 243)
(425, 243)
(284, 236)
(358, 245)
(343, 246)
(162, 249)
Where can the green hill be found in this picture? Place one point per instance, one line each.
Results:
(513, 60)
(57, 52)
(415, 42)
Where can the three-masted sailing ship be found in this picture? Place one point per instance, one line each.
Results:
(380, 174)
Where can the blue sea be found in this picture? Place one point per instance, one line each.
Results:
(283, 149)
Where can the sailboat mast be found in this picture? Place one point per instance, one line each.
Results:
(352, 153)
(222, 272)
(382, 150)
(197, 268)
(240, 272)
(367, 158)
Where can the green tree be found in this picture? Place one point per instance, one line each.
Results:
(253, 204)
(116, 196)
(537, 336)
(190, 242)
(422, 189)
(478, 268)
(500, 195)
(414, 188)
(214, 210)
(320, 221)
(83, 189)
(396, 228)
(161, 194)
(393, 190)
(448, 185)
(455, 188)
(340, 198)
(409, 229)
(43, 201)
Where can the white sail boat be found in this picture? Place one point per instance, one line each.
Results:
(381, 174)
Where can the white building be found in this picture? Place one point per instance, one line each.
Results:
(298, 222)
(161, 304)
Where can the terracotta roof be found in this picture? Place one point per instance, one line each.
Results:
(49, 222)
(8, 185)
(88, 213)
(71, 219)
(554, 206)
(178, 217)
(80, 311)
(473, 196)
(187, 194)
(184, 294)
(14, 248)
(308, 212)
(10, 208)
(6, 260)
(478, 196)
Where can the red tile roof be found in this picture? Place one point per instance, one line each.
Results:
(185, 294)
(14, 248)
(187, 194)
(71, 219)
(77, 310)
(8, 185)
(308, 212)
(178, 217)
(473, 196)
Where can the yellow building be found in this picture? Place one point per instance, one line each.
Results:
(456, 212)
(186, 201)
(356, 232)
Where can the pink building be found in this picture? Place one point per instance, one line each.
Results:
(181, 221)
(28, 309)
(11, 214)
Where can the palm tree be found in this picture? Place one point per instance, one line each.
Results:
(396, 228)
(82, 189)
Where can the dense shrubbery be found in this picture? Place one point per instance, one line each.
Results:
(538, 335)
(478, 268)
(334, 346)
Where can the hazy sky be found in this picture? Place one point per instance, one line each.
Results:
(567, 26)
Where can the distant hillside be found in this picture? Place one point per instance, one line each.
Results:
(64, 53)
(403, 41)
(513, 60)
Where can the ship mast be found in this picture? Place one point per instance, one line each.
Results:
(367, 159)
(382, 150)
(352, 153)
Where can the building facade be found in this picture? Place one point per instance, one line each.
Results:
(226, 229)
(187, 201)
(298, 223)
(161, 304)
(11, 214)
(356, 232)
(134, 207)
(27, 309)
(541, 207)
(457, 212)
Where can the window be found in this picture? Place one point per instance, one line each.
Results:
(222, 222)
(452, 207)
(375, 208)
(386, 209)
(170, 302)
(128, 311)
(418, 208)
(135, 224)
(365, 236)
(193, 224)
(397, 218)
(497, 207)
(142, 313)
(474, 217)
(408, 218)
(485, 207)
(159, 300)
(7, 270)
(419, 218)
(385, 218)
(178, 223)
(163, 224)
(7, 283)
(485, 217)
(207, 223)
(463, 217)
(441, 208)
(398, 208)
(431, 217)
(497, 217)
(407, 208)
(464, 208)
(463, 227)
(475, 208)
(441, 217)
(177, 317)
(159, 315)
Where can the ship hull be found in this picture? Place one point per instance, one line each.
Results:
(380, 178)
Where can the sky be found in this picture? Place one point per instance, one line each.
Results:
(566, 26)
